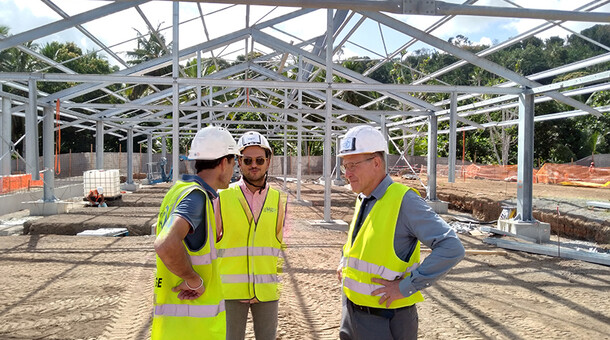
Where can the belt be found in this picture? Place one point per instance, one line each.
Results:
(383, 312)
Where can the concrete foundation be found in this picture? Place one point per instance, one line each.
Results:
(333, 224)
(130, 187)
(539, 231)
(304, 203)
(439, 207)
(42, 208)
(339, 182)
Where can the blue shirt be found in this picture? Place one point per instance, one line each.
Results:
(417, 221)
(193, 209)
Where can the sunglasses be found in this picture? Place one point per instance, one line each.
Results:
(259, 160)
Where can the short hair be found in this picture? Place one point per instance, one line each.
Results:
(206, 164)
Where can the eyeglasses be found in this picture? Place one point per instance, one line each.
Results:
(259, 160)
(351, 166)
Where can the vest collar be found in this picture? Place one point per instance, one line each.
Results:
(194, 178)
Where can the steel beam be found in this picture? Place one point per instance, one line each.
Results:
(473, 58)
(63, 24)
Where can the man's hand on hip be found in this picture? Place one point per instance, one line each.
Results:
(390, 291)
(185, 292)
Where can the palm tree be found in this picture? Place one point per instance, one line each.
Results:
(150, 46)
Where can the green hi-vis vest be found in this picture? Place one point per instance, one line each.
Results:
(372, 253)
(249, 251)
(204, 317)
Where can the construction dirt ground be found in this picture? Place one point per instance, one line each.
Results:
(73, 287)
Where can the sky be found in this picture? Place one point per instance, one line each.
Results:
(115, 29)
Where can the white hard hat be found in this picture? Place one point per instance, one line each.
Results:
(362, 139)
(100, 190)
(212, 142)
(251, 138)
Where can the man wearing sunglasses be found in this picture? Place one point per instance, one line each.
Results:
(188, 293)
(380, 269)
(251, 218)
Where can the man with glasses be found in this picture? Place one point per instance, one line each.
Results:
(250, 235)
(188, 293)
(380, 269)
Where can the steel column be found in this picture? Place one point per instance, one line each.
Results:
(525, 158)
(130, 156)
(432, 154)
(176, 96)
(329, 112)
(31, 129)
(99, 144)
(198, 90)
(452, 136)
(299, 130)
(149, 150)
(48, 147)
(5, 134)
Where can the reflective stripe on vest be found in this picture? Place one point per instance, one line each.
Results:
(194, 311)
(372, 253)
(174, 318)
(200, 260)
(245, 251)
(249, 250)
(239, 278)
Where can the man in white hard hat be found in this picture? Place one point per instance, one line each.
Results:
(188, 295)
(96, 198)
(251, 218)
(380, 271)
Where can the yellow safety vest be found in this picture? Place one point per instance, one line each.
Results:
(204, 317)
(372, 254)
(249, 251)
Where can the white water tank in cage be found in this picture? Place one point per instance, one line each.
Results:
(107, 179)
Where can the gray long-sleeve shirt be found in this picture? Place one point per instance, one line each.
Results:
(417, 221)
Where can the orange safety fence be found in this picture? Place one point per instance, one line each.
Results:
(22, 182)
(564, 174)
(567, 174)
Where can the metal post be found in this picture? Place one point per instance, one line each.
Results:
(285, 138)
(31, 125)
(149, 141)
(198, 91)
(452, 136)
(164, 147)
(130, 156)
(384, 132)
(329, 112)
(48, 146)
(99, 145)
(5, 134)
(338, 161)
(176, 96)
(432, 152)
(299, 131)
(525, 158)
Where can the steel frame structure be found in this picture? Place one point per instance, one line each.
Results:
(294, 104)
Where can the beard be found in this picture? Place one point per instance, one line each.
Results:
(254, 178)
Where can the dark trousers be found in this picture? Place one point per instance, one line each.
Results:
(364, 324)
(264, 317)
